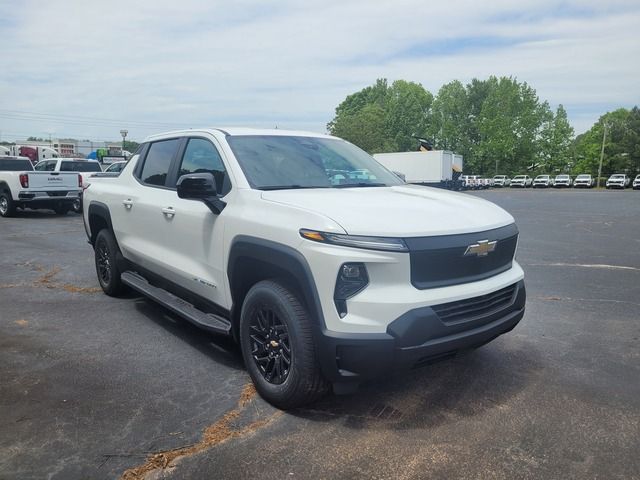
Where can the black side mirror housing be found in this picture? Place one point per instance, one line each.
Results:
(200, 186)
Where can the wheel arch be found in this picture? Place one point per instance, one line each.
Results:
(99, 217)
(253, 259)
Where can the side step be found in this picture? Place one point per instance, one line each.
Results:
(208, 321)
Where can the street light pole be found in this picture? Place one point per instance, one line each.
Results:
(124, 135)
(604, 136)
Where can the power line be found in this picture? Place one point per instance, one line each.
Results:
(77, 118)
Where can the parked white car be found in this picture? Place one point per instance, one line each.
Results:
(636, 183)
(521, 181)
(584, 180)
(542, 181)
(618, 180)
(562, 181)
(115, 167)
(501, 181)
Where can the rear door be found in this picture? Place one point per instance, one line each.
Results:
(137, 208)
(178, 239)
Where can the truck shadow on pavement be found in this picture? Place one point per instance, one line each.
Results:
(464, 386)
(220, 349)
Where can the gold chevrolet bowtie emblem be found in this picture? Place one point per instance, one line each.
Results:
(481, 249)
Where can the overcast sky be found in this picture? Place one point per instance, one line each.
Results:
(86, 69)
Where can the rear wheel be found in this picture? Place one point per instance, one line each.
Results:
(7, 207)
(77, 205)
(105, 251)
(277, 344)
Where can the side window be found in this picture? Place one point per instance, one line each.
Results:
(50, 166)
(201, 156)
(41, 166)
(158, 160)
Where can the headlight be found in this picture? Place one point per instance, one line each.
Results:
(352, 279)
(357, 241)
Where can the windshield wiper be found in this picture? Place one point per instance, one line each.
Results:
(289, 187)
(360, 184)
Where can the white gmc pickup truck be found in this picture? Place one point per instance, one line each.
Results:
(22, 187)
(323, 277)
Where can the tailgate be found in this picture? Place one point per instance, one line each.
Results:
(51, 181)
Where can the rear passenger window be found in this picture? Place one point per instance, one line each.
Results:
(157, 162)
(202, 156)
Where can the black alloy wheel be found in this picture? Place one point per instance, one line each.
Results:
(270, 346)
(103, 264)
(105, 252)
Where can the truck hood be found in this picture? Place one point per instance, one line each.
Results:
(401, 211)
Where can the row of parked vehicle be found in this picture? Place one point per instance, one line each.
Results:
(618, 180)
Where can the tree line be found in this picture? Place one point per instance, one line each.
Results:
(499, 125)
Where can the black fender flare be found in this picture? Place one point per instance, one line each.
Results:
(98, 214)
(253, 258)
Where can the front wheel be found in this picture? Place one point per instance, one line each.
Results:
(7, 207)
(278, 348)
(105, 251)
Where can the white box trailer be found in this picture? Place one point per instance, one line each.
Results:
(436, 167)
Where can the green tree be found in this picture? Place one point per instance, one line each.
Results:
(397, 112)
(364, 127)
(622, 144)
(407, 114)
(556, 138)
(449, 127)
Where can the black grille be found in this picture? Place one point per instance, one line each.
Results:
(470, 308)
(57, 193)
(441, 261)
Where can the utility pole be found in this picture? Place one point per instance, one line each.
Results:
(604, 136)
(124, 135)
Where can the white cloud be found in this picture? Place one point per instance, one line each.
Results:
(214, 63)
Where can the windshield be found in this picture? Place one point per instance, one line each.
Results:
(562, 177)
(80, 167)
(542, 177)
(583, 177)
(499, 177)
(519, 177)
(272, 162)
(617, 176)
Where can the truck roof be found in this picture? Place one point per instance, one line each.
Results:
(237, 131)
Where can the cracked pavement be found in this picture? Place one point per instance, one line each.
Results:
(93, 387)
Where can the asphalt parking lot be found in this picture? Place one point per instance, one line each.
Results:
(94, 387)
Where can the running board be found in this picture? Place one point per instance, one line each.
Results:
(208, 321)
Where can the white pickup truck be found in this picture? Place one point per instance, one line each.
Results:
(323, 265)
(22, 187)
(86, 168)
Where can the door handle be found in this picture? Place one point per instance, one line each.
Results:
(168, 211)
(128, 203)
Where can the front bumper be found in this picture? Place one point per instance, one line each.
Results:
(416, 338)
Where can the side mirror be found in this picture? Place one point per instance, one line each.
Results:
(197, 186)
(200, 186)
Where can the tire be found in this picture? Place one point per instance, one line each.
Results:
(105, 251)
(7, 207)
(61, 209)
(272, 317)
(77, 205)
